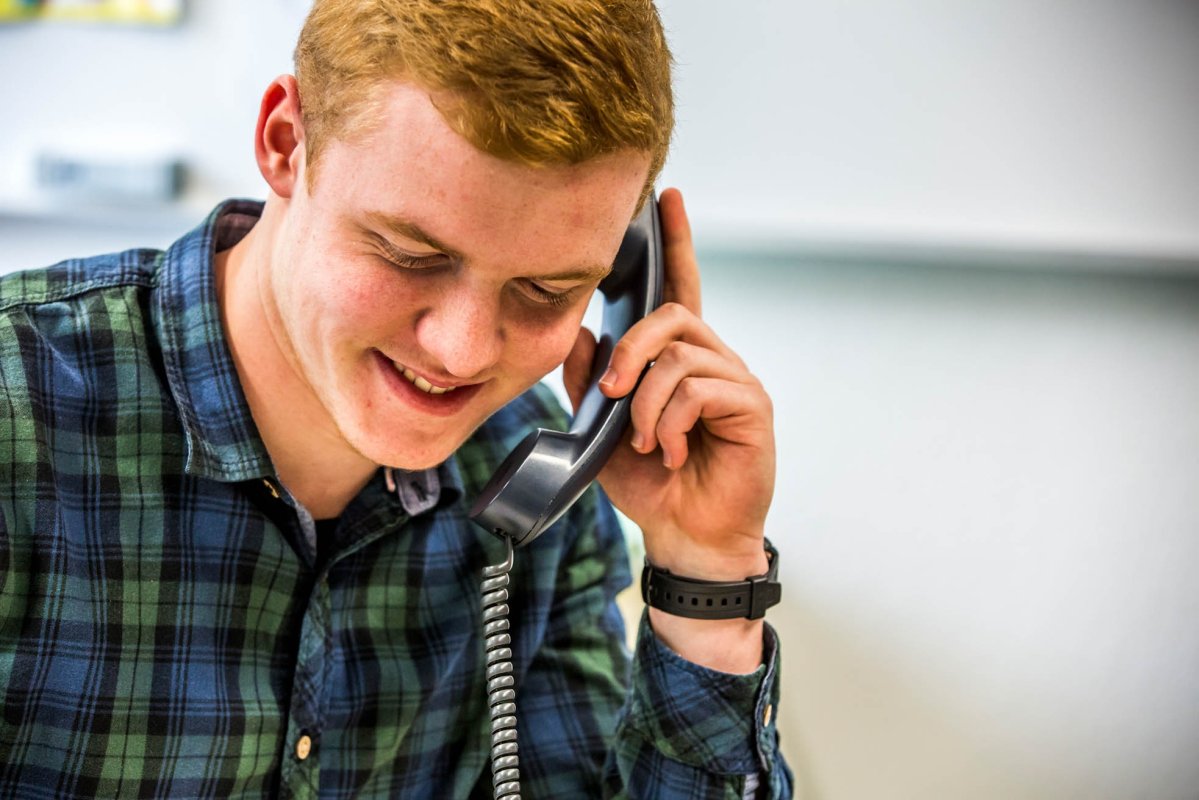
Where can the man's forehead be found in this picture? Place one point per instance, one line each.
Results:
(415, 178)
(409, 120)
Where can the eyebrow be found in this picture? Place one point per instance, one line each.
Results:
(410, 230)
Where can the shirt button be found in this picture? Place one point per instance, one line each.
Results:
(767, 714)
(303, 747)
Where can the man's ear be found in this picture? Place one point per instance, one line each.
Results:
(279, 137)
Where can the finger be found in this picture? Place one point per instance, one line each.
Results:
(681, 265)
(714, 401)
(646, 340)
(576, 370)
(677, 362)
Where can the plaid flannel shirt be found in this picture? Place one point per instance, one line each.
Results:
(170, 627)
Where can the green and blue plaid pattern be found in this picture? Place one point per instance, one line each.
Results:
(169, 626)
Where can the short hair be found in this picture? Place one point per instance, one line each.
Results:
(539, 82)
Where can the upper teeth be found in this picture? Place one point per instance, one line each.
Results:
(423, 384)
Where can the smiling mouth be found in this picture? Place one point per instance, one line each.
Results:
(419, 382)
(421, 394)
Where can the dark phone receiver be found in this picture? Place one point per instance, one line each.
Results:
(549, 470)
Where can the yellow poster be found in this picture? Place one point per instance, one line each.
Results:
(156, 12)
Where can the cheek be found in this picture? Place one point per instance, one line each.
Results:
(542, 348)
(349, 298)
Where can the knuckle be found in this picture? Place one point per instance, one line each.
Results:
(624, 349)
(674, 353)
(759, 390)
(675, 311)
(689, 390)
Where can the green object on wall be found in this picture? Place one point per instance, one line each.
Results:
(152, 12)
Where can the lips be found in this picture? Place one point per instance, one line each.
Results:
(419, 382)
(439, 399)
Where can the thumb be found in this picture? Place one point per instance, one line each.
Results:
(576, 370)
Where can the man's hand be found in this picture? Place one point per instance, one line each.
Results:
(696, 468)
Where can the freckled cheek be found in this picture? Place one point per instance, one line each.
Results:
(544, 348)
(359, 305)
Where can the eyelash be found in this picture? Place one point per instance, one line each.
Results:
(555, 299)
(411, 262)
(544, 296)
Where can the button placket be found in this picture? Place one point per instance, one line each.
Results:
(309, 689)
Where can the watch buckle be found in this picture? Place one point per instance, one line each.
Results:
(762, 595)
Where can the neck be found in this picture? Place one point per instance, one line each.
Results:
(310, 456)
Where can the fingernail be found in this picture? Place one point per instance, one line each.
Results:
(609, 378)
(666, 459)
(638, 440)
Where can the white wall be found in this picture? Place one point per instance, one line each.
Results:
(1067, 125)
(1017, 123)
(190, 91)
(986, 498)
(987, 513)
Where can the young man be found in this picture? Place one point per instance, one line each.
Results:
(234, 476)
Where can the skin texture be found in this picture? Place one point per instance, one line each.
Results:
(323, 296)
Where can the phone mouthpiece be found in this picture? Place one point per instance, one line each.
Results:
(542, 478)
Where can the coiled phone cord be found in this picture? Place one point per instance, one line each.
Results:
(501, 692)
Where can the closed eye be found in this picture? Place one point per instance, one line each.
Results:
(555, 297)
(551, 297)
(407, 260)
(404, 261)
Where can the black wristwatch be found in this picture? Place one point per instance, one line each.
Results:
(697, 599)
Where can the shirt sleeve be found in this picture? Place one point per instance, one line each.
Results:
(691, 732)
(594, 722)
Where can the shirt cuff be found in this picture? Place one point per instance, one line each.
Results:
(716, 721)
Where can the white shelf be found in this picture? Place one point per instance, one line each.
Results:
(180, 215)
(776, 240)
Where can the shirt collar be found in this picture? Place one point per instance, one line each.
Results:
(422, 490)
(220, 437)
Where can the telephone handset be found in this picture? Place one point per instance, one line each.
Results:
(549, 470)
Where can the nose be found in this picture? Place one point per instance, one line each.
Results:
(462, 331)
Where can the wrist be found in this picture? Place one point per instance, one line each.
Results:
(736, 557)
(706, 599)
(725, 645)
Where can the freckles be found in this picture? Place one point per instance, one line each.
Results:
(353, 294)
(358, 297)
(548, 348)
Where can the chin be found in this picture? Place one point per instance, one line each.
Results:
(409, 455)
(415, 463)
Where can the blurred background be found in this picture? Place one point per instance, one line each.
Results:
(959, 242)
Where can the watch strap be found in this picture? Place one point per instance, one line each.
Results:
(701, 599)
